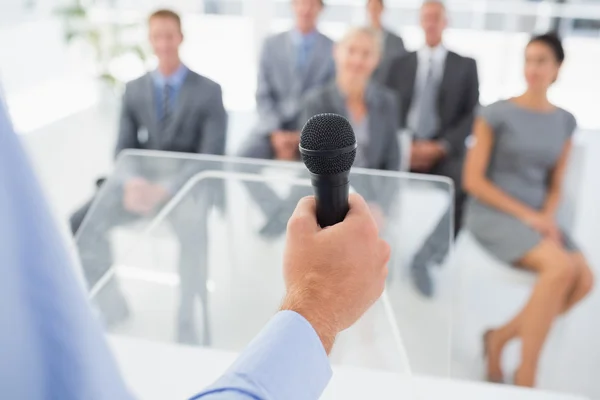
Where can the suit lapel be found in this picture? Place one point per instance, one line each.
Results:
(376, 117)
(387, 43)
(410, 80)
(449, 67)
(149, 105)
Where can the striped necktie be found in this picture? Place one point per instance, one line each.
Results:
(303, 53)
(167, 107)
(428, 119)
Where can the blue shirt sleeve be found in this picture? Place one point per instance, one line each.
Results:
(51, 345)
(286, 361)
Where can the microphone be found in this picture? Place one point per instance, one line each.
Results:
(328, 149)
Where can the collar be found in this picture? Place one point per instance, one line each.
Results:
(371, 95)
(437, 53)
(307, 38)
(175, 80)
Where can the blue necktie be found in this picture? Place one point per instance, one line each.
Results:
(303, 53)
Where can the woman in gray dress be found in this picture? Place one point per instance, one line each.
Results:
(513, 174)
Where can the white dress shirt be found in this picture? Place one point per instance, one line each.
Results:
(437, 56)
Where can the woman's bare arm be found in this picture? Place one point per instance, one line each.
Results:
(475, 181)
(556, 182)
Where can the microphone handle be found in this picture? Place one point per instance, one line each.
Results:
(331, 193)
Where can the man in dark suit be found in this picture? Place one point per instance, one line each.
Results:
(392, 44)
(169, 109)
(438, 92)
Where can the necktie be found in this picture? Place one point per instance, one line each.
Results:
(303, 51)
(428, 116)
(167, 107)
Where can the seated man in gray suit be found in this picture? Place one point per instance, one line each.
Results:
(438, 92)
(170, 109)
(392, 44)
(291, 63)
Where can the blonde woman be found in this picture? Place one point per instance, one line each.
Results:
(370, 107)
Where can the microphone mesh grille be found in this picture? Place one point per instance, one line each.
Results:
(328, 132)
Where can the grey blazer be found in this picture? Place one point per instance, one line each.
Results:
(280, 87)
(199, 125)
(383, 151)
(393, 47)
(458, 96)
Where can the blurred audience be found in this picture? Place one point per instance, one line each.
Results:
(371, 108)
(514, 173)
(291, 63)
(169, 109)
(438, 91)
(392, 44)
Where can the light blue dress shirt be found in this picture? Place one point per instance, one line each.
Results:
(52, 347)
(175, 81)
(304, 43)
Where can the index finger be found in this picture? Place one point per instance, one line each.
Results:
(304, 217)
(359, 209)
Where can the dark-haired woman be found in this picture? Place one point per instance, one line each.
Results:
(514, 173)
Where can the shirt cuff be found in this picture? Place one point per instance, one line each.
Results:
(286, 361)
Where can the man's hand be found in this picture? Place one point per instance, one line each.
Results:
(157, 194)
(141, 197)
(425, 154)
(134, 196)
(285, 144)
(333, 275)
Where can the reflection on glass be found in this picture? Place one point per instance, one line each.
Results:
(203, 267)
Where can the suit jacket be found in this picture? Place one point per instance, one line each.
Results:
(393, 47)
(280, 87)
(198, 125)
(383, 150)
(458, 96)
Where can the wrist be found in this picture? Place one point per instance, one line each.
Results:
(549, 212)
(528, 215)
(309, 309)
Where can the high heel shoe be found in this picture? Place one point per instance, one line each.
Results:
(486, 353)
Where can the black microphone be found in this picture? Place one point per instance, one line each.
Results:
(328, 149)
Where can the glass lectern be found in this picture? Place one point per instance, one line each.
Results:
(191, 254)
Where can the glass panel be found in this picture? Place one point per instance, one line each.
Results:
(204, 266)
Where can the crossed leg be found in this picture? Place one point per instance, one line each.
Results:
(564, 280)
